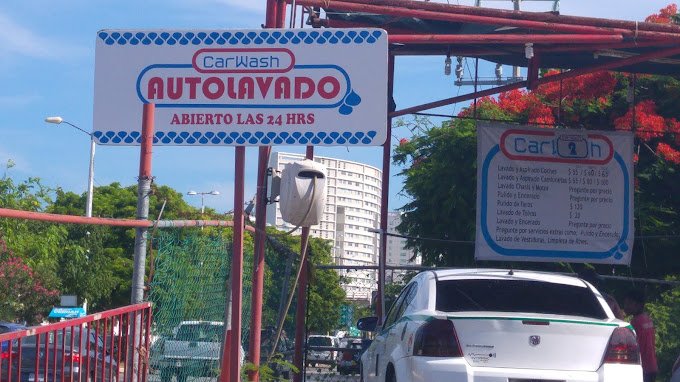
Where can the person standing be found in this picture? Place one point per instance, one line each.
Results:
(595, 280)
(634, 305)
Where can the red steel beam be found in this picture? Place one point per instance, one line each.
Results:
(237, 266)
(68, 219)
(486, 20)
(570, 74)
(544, 17)
(503, 38)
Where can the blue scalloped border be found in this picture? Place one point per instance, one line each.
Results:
(298, 37)
(240, 138)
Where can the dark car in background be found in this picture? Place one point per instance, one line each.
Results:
(80, 356)
(350, 358)
(7, 327)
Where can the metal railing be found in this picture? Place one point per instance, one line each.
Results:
(111, 346)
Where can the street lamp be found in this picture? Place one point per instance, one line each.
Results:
(203, 194)
(90, 178)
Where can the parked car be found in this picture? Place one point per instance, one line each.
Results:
(193, 350)
(500, 325)
(7, 327)
(348, 359)
(326, 357)
(83, 361)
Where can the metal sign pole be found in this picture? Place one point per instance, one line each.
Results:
(237, 265)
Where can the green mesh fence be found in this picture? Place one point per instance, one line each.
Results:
(189, 296)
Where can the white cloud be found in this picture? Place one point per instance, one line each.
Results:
(16, 39)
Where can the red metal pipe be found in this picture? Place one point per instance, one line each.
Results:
(572, 73)
(503, 38)
(237, 265)
(301, 304)
(464, 97)
(458, 17)
(281, 14)
(593, 48)
(270, 18)
(545, 17)
(68, 219)
(258, 261)
(147, 140)
(37, 359)
(384, 197)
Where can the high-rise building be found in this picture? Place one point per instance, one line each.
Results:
(397, 253)
(352, 209)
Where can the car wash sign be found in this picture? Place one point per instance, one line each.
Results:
(242, 87)
(554, 195)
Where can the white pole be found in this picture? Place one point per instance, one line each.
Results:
(90, 179)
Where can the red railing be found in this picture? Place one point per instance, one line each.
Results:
(111, 346)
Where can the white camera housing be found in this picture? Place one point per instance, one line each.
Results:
(303, 188)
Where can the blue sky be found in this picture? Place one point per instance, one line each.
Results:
(47, 68)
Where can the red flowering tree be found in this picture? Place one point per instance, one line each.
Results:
(23, 294)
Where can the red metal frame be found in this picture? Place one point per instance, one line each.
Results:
(61, 354)
(506, 15)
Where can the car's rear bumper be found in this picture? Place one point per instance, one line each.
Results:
(424, 369)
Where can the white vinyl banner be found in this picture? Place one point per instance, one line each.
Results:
(554, 195)
(242, 87)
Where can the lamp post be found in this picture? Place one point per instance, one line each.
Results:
(90, 178)
(203, 194)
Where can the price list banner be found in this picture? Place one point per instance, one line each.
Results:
(554, 195)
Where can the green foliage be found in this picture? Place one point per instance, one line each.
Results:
(665, 313)
(440, 177)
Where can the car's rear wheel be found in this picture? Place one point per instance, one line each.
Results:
(390, 375)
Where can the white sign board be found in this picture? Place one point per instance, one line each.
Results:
(554, 195)
(242, 87)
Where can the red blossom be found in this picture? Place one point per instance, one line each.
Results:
(636, 158)
(665, 15)
(588, 86)
(403, 141)
(668, 153)
(648, 123)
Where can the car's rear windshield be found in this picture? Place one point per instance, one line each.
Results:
(319, 341)
(527, 296)
(202, 332)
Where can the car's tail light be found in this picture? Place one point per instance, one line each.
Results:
(6, 354)
(622, 348)
(346, 356)
(437, 338)
(75, 357)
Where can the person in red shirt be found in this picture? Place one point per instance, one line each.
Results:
(634, 305)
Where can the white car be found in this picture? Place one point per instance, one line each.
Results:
(500, 326)
(327, 357)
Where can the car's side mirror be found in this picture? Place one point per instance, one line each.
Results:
(367, 324)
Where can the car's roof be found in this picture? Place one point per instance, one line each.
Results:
(508, 275)
(217, 323)
(12, 325)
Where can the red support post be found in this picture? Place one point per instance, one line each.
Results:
(301, 305)
(237, 266)
(384, 197)
(254, 350)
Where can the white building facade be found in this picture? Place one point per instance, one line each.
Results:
(397, 253)
(352, 209)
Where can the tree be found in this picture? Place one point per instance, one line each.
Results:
(24, 295)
